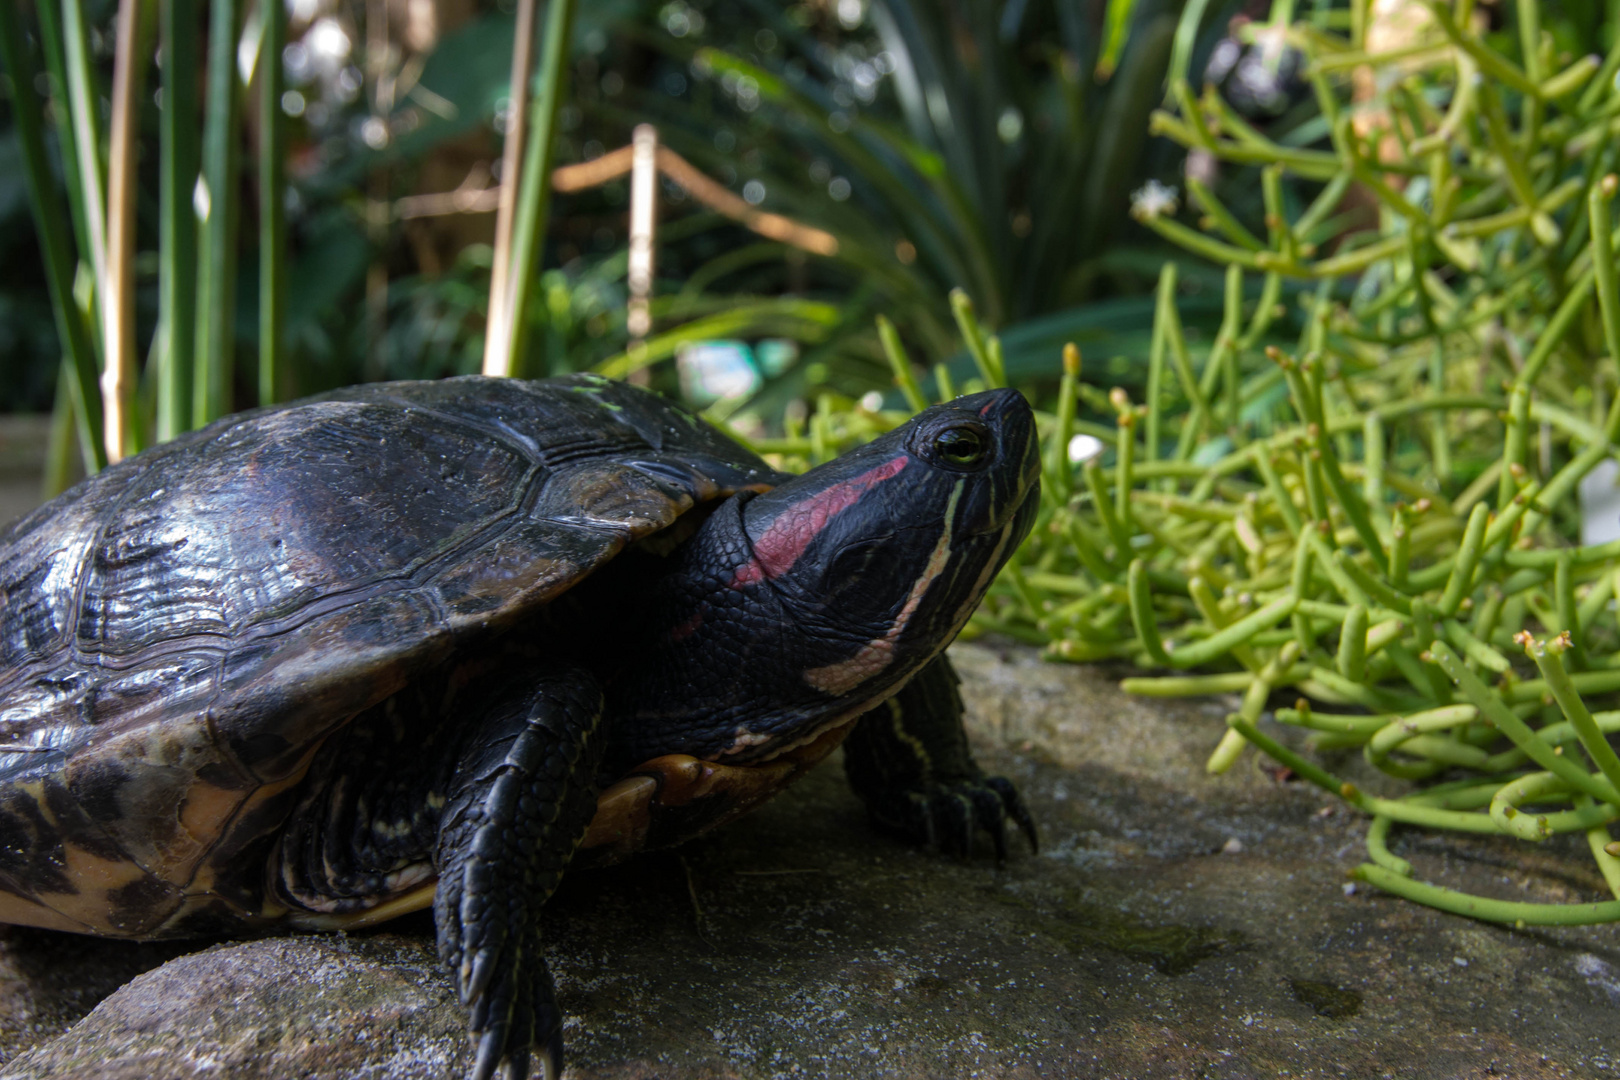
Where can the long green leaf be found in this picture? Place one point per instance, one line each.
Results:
(83, 99)
(1192, 16)
(1116, 28)
(177, 219)
(79, 361)
(50, 33)
(124, 429)
(1123, 133)
(534, 197)
(216, 285)
(272, 199)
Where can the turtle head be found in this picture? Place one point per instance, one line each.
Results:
(880, 556)
(801, 608)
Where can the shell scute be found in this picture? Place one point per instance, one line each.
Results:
(31, 859)
(142, 904)
(283, 513)
(524, 565)
(43, 558)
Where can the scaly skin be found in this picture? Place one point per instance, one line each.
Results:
(523, 794)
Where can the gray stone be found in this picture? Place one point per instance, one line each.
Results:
(374, 1008)
(1174, 925)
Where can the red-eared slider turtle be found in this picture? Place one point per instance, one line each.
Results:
(412, 643)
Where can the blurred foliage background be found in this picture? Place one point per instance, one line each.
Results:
(991, 147)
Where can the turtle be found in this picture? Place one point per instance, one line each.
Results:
(430, 644)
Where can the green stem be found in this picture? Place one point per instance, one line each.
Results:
(1514, 445)
(1061, 471)
(1461, 581)
(534, 193)
(1141, 603)
(216, 283)
(1221, 217)
(1557, 327)
(1512, 912)
(1489, 60)
(1492, 708)
(1124, 459)
(1548, 657)
(1350, 501)
(177, 219)
(1378, 847)
(83, 101)
(1202, 652)
(1607, 289)
(1534, 788)
(1105, 509)
(889, 337)
(1597, 839)
(972, 334)
(1157, 347)
(272, 200)
(1370, 584)
(1352, 659)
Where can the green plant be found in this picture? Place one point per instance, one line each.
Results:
(1377, 525)
(1445, 415)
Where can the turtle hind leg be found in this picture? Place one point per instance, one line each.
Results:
(908, 759)
(523, 792)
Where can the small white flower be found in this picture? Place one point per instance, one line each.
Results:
(1083, 447)
(1152, 199)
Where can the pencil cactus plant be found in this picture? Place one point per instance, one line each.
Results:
(1372, 534)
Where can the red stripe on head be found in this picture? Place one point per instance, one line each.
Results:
(785, 539)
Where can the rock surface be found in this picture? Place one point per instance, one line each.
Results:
(371, 1007)
(1174, 925)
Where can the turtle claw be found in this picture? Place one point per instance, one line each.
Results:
(491, 1050)
(476, 981)
(517, 1025)
(551, 1061)
(989, 812)
(491, 1059)
(909, 760)
(947, 815)
(1013, 806)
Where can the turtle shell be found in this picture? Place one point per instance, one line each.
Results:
(181, 633)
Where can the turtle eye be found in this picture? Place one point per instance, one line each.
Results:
(961, 446)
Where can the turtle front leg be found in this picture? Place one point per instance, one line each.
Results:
(522, 794)
(908, 759)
